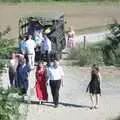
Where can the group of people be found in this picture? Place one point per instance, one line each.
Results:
(19, 72)
(51, 73)
(29, 43)
(21, 65)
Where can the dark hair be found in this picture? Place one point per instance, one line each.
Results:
(26, 37)
(39, 62)
(97, 69)
(94, 65)
(11, 54)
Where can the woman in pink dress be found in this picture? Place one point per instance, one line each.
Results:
(71, 38)
(41, 90)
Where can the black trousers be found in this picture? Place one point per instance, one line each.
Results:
(55, 86)
(47, 56)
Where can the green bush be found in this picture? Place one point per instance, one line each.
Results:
(111, 49)
(8, 106)
(7, 46)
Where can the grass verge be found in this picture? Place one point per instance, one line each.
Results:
(92, 54)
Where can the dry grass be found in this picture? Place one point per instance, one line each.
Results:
(81, 16)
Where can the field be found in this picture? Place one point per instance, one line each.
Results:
(83, 17)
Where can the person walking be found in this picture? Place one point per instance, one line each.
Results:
(12, 69)
(41, 81)
(99, 75)
(23, 71)
(71, 38)
(47, 46)
(30, 51)
(94, 87)
(55, 74)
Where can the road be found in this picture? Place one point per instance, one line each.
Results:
(74, 102)
(92, 37)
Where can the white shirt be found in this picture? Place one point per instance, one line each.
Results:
(42, 47)
(12, 62)
(38, 37)
(55, 73)
(30, 45)
(47, 44)
(100, 77)
(12, 65)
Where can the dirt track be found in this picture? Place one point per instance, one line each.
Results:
(78, 15)
(74, 102)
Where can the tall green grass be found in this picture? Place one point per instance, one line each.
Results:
(81, 56)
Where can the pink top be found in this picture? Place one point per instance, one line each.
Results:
(71, 35)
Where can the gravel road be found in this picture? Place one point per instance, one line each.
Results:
(74, 102)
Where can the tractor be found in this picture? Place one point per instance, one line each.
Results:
(52, 25)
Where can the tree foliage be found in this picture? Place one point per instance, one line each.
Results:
(8, 105)
(111, 50)
(6, 47)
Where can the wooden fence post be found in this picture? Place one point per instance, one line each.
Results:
(84, 42)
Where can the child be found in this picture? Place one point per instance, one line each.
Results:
(94, 87)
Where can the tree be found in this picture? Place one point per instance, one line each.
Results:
(8, 105)
(111, 50)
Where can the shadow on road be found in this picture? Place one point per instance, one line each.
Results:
(51, 104)
(73, 105)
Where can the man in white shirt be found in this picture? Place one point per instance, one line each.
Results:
(55, 75)
(47, 46)
(30, 51)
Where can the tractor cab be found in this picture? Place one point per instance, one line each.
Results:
(50, 24)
